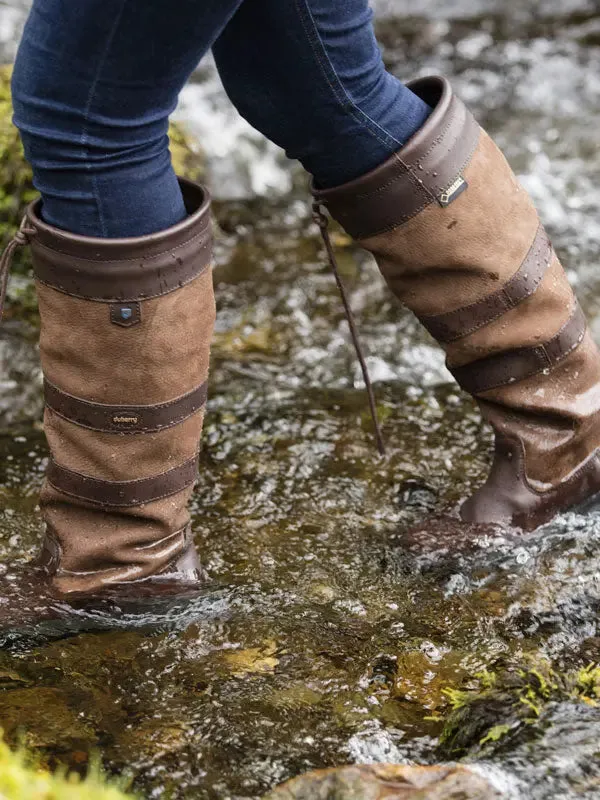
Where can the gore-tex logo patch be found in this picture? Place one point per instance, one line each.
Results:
(453, 191)
(126, 315)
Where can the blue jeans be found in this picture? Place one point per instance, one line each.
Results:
(95, 81)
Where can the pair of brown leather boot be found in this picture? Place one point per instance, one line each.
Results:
(126, 328)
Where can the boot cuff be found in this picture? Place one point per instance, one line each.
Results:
(122, 270)
(427, 169)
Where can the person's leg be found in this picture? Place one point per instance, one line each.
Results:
(309, 75)
(93, 86)
(125, 323)
(457, 239)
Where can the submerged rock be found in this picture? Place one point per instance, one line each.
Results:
(387, 782)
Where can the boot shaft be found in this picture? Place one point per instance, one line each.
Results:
(124, 343)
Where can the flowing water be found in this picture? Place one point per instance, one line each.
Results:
(329, 633)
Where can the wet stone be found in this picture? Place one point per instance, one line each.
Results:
(382, 781)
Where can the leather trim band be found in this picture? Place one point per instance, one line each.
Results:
(124, 419)
(466, 320)
(125, 270)
(122, 494)
(427, 169)
(516, 365)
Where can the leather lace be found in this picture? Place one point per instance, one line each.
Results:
(21, 238)
(322, 221)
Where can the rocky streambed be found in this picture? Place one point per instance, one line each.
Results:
(330, 634)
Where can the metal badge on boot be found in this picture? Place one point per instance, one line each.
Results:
(126, 314)
(453, 191)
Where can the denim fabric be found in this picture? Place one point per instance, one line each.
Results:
(95, 81)
(309, 75)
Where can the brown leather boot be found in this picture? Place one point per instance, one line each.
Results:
(460, 243)
(125, 334)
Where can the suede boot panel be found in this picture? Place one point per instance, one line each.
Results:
(531, 322)
(94, 539)
(445, 258)
(134, 565)
(569, 392)
(163, 357)
(121, 457)
(556, 416)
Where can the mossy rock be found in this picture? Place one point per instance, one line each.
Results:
(508, 706)
(22, 779)
(16, 189)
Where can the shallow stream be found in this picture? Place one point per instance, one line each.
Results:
(330, 633)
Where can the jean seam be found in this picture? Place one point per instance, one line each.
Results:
(90, 99)
(328, 70)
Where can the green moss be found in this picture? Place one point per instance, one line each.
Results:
(16, 188)
(495, 734)
(458, 698)
(508, 703)
(186, 155)
(587, 685)
(22, 779)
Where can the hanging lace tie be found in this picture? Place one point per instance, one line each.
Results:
(21, 238)
(322, 221)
